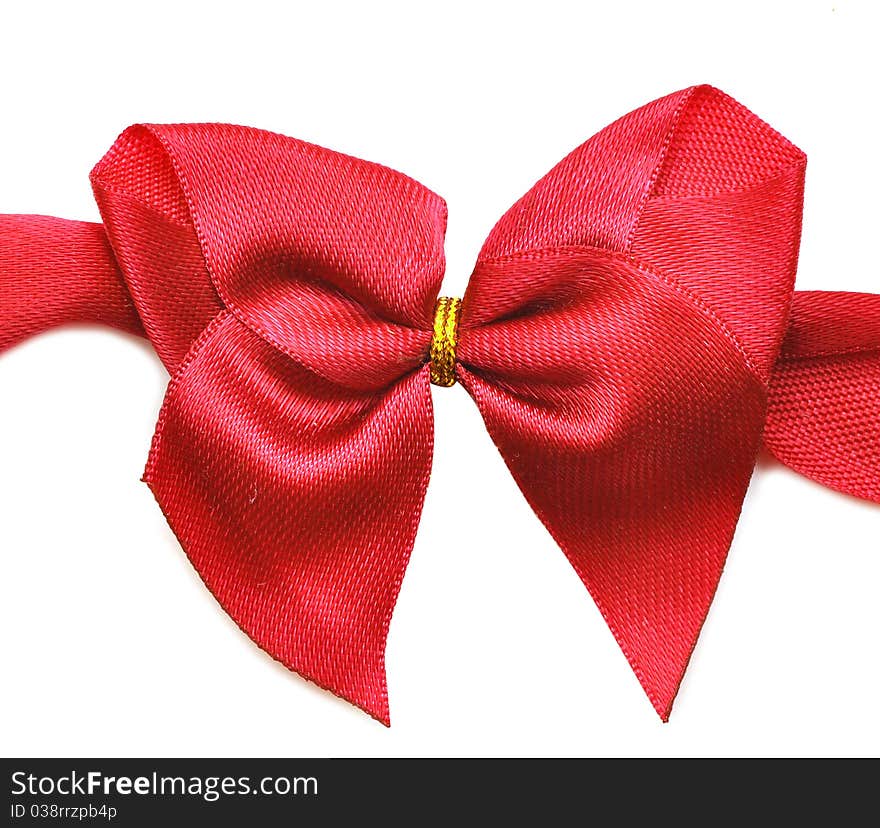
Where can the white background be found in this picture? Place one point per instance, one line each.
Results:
(110, 643)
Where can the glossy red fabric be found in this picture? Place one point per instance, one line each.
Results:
(628, 335)
(824, 417)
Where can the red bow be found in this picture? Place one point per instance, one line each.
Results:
(629, 334)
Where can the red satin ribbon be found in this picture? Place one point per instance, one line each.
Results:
(629, 333)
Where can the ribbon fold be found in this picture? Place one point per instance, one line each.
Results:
(630, 335)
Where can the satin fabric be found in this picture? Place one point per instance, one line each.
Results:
(630, 335)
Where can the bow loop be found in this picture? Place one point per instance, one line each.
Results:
(293, 239)
(694, 185)
(723, 218)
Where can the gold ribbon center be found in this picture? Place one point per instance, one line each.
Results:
(445, 339)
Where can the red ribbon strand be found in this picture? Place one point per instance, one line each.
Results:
(630, 335)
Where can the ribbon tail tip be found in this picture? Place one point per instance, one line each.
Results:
(662, 710)
(662, 704)
(382, 711)
(378, 711)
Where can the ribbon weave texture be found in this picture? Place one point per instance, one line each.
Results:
(630, 335)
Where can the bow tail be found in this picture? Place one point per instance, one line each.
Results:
(631, 423)
(296, 500)
(824, 417)
(53, 272)
(646, 523)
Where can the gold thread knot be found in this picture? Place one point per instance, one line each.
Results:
(444, 341)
